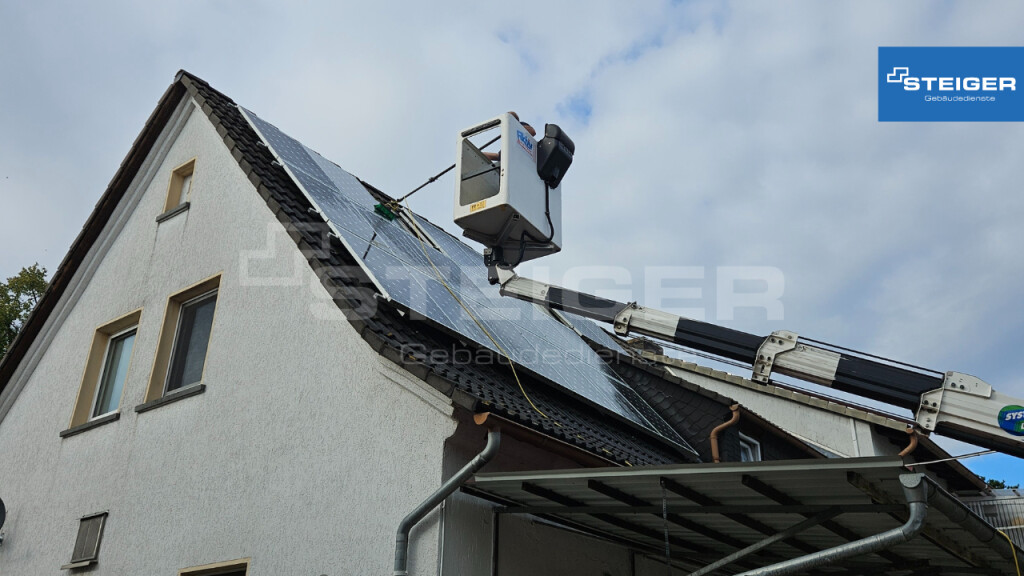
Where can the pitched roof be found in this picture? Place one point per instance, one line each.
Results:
(426, 350)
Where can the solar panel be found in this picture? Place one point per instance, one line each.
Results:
(310, 168)
(590, 329)
(397, 258)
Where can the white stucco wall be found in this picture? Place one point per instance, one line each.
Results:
(305, 450)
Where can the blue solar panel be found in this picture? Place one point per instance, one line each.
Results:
(310, 168)
(527, 333)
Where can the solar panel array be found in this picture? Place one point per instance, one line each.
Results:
(397, 258)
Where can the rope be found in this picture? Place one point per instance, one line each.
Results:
(961, 457)
(664, 527)
(1013, 548)
(440, 277)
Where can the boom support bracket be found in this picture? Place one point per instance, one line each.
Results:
(622, 319)
(959, 398)
(780, 342)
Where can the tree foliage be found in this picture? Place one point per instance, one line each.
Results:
(997, 484)
(18, 296)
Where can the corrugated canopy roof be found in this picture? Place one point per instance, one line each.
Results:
(708, 511)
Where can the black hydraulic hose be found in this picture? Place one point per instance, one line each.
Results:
(525, 234)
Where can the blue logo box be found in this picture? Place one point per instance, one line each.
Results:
(972, 84)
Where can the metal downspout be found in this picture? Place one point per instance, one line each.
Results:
(718, 430)
(446, 489)
(916, 491)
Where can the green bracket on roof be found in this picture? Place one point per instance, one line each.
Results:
(385, 211)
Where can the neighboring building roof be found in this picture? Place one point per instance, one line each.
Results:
(478, 386)
(889, 426)
(789, 393)
(695, 411)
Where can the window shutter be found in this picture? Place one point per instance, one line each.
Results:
(87, 544)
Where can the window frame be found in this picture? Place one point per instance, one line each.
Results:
(156, 389)
(756, 445)
(92, 373)
(94, 554)
(103, 371)
(214, 293)
(174, 199)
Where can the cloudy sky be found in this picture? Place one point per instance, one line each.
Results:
(708, 135)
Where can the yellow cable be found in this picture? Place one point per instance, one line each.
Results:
(1013, 548)
(440, 277)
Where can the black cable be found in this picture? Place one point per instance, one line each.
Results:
(551, 226)
(522, 248)
(547, 212)
(442, 173)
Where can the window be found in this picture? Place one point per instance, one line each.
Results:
(191, 341)
(180, 189)
(233, 568)
(115, 371)
(750, 449)
(106, 370)
(184, 341)
(87, 544)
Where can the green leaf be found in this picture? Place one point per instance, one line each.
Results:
(18, 297)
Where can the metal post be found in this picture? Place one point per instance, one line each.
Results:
(915, 489)
(755, 547)
(495, 518)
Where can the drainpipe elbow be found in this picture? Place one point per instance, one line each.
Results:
(913, 442)
(715, 455)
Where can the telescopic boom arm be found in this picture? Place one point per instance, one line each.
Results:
(953, 404)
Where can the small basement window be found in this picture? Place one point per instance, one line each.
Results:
(750, 449)
(87, 544)
(180, 189)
